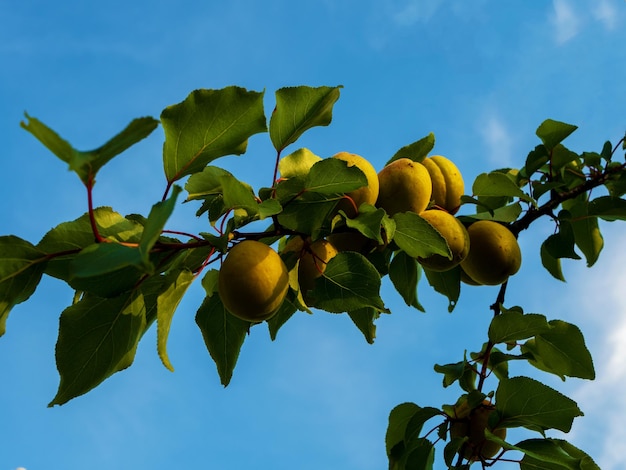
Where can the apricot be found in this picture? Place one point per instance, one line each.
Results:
(448, 185)
(365, 194)
(473, 427)
(253, 281)
(405, 186)
(494, 253)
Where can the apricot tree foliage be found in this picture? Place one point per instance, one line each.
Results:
(129, 272)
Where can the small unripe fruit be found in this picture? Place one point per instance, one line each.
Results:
(405, 186)
(253, 281)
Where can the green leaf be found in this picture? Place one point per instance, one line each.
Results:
(106, 269)
(87, 164)
(511, 326)
(238, 195)
(350, 282)
(561, 350)
(497, 184)
(285, 312)
(205, 183)
(368, 221)
(462, 371)
(404, 272)
(586, 230)
(536, 158)
(608, 208)
(399, 418)
(334, 176)
(447, 283)
(97, 337)
(207, 125)
(21, 268)
(417, 237)
(159, 214)
(71, 237)
(364, 319)
(299, 109)
(176, 284)
(522, 401)
(416, 151)
(308, 213)
(223, 335)
(297, 163)
(553, 454)
(505, 214)
(553, 132)
(550, 263)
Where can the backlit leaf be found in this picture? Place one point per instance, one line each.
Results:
(86, 164)
(417, 237)
(404, 272)
(553, 132)
(21, 268)
(522, 401)
(97, 337)
(223, 335)
(416, 151)
(299, 109)
(207, 125)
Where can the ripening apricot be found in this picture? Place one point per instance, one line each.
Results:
(448, 186)
(494, 253)
(313, 259)
(365, 194)
(456, 236)
(253, 281)
(405, 186)
(473, 426)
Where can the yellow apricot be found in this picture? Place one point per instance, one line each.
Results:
(253, 281)
(494, 253)
(455, 234)
(365, 194)
(405, 186)
(448, 186)
(313, 263)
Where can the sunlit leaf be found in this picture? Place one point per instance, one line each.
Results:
(417, 237)
(553, 132)
(158, 217)
(350, 282)
(176, 284)
(86, 164)
(553, 454)
(496, 184)
(333, 176)
(207, 125)
(297, 163)
(299, 109)
(97, 337)
(416, 151)
(608, 208)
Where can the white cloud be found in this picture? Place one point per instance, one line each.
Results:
(566, 22)
(602, 306)
(497, 139)
(606, 13)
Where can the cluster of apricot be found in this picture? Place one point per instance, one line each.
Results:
(254, 280)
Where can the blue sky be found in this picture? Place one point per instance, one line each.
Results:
(480, 75)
